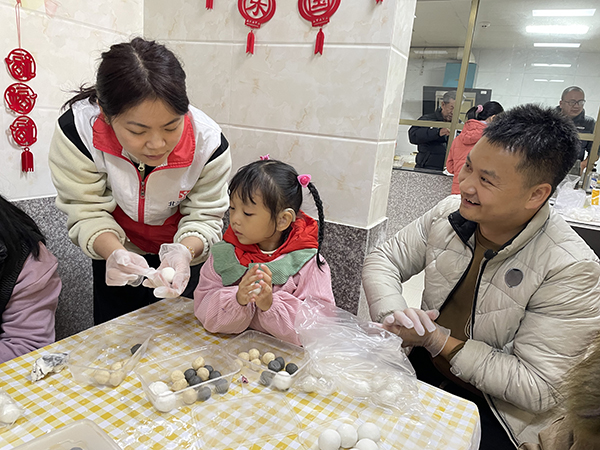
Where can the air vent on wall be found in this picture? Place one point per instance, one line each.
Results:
(447, 53)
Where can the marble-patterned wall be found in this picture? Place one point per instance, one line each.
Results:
(66, 43)
(333, 115)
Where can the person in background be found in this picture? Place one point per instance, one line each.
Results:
(142, 176)
(431, 142)
(478, 118)
(512, 293)
(571, 105)
(579, 429)
(269, 261)
(29, 284)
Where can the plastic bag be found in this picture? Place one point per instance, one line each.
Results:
(567, 197)
(10, 411)
(359, 358)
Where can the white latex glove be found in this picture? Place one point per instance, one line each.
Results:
(411, 318)
(124, 267)
(432, 341)
(178, 257)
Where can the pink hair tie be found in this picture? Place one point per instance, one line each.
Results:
(265, 157)
(304, 180)
(479, 109)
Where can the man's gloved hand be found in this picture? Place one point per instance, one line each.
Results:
(417, 329)
(178, 257)
(124, 267)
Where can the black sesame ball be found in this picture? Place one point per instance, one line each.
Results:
(189, 374)
(214, 374)
(135, 348)
(275, 366)
(291, 368)
(203, 393)
(281, 361)
(209, 368)
(221, 386)
(266, 377)
(193, 381)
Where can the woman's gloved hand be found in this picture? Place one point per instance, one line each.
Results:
(178, 257)
(125, 267)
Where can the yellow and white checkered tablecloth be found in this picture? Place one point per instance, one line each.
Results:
(130, 419)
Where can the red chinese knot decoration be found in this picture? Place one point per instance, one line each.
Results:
(256, 13)
(20, 98)
(21, 64)
(318, 12)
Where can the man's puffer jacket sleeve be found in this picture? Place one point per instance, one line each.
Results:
(205, 205)
(82, 194)
(396, 261)
(549, 341)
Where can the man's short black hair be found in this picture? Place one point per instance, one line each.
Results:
(546, 140)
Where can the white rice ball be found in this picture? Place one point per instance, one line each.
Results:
(330, 440)
(369, 430)
(348, 434)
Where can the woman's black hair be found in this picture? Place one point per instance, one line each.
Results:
(132, 72)
(489, 109)
(278, 185)
(18, 233)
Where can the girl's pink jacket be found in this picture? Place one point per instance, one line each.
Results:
(217, 308)
(461, 146)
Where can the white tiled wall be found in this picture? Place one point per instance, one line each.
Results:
(65, 47)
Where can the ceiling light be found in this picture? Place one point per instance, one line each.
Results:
(550, 65)
(563, 12)
(539, 79)
(431, 52)
(557, 29)
(557, 44)
(557, 81)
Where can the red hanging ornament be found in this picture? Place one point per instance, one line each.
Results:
(20, 98)
(26, 160)
(256, 13)
(209, 4)
(21, 64)
(24, 131)
(378, 1)
(318, 12)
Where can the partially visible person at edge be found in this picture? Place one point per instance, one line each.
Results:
(478, 118)
(142, 175)
(571, 105)
(431, 142)
(579, 428)
(512, 293)
(29, 284)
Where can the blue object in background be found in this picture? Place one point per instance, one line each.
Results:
(453, 71)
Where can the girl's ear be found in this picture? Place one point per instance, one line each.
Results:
(285, 219)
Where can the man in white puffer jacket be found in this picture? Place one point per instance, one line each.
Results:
(516, 288)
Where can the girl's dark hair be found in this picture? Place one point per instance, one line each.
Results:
(489, 109)
(132, 72)
(18, 232)
(278, 185)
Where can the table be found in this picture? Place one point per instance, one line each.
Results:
(129, 418)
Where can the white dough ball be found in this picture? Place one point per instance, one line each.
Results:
(361, 388)
(158, 387)
(330, 440)
(309, 384)
(203, 373)
(9, 413)
(198, 362)
(244, 356)
(165, 402)
(168, 273)
(282, 380)
(369, 430)
(190, 396)
(366, 444)
(253, 353)
(268, 357)
(348, 434)
(177, 375)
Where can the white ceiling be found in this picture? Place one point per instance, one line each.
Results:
(443, 23)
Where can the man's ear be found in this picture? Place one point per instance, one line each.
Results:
(538, 195)
(285, 219)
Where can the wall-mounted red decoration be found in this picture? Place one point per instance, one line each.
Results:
(21, 64)
(24, 131)
(20, 98)
(256, 13)
(318, 12)
(209, 4)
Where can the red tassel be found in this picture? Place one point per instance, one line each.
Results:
(320, 41)
(250, 43)
(209, 4)
(26, 161)
(379, 1)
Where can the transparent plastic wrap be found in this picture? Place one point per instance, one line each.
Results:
(10, 411)
(567, 197)
(358, 358)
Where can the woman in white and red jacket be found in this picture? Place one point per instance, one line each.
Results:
(142, 175)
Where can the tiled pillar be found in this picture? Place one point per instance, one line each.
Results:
(334, 115)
